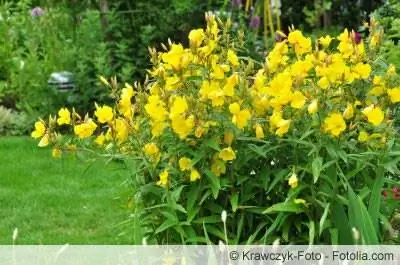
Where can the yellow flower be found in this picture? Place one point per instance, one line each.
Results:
(196, 37)
(155, 108)
(182, 127)
(64, 116)
(172, 82)
(194, 175)
(241, 119)
(229, 88)
(363, 70)
(173, 58)
(40, 129)
(122, 130)
(348, 112)
(56, 152)
(100, 140)
(163, 178)
(334, 124)
(44, 141)
(323, 83)
(157, 128)
(179, 106)
(363, 136)
(259, 131)
(104, 114)
(374, 115)
(227, 154)
(325, 41)
(298, 100)
(124, 104)
(234, 108)
(232, 58)
(394, 94)
(283, 127)
(185, 163)
(85, 129)
(313, 107)
(151, 149)
(293, 181)
(301, 44)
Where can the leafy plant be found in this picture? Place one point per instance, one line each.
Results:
(221, 148)
(13, 123)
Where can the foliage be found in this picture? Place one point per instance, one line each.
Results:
(12, 122)
(388, 15)
(222, 148)
(76, 36)
(40, 44)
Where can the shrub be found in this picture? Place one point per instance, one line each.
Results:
(221, 148)
(12, 122)
(42, 41)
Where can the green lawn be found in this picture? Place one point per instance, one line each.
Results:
(57, 201)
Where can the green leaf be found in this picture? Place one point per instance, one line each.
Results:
(341, 222)
(334, 236)
(361, 219)
(208, 220)
(279, 177)
(290, 207)
(311, 233)
(323, 218)
(215, 231)
(176, 193)
(253, 236)
(317, 168)
(165, 225)
(214, 183)
(213, 144)
(375, 198)
(391, 165)
(234, 201)
(258, 150)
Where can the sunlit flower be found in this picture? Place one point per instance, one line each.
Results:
(227, 154)
(85, 129)
(394, 94)
(40, 129)
(163, 181)
(194, 175)
(64, 116)
(313, 107)
(374, 115)
(185, 163)
(293, 181)
(334, 124)
(104, 114)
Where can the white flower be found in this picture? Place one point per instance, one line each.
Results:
(223, 216)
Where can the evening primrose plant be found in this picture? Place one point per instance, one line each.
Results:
(298, 147)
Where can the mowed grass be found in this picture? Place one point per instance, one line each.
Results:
(59, 201)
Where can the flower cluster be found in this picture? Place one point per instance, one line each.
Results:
(207, 94)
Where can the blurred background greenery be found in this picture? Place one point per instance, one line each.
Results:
(111, 37)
